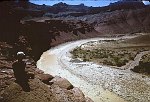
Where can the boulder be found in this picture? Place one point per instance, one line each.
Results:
(78, 95)
(38, 71)
(64, 95)
(62, 83)
(45, 78)
(30, 75)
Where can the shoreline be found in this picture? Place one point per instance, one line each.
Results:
(46, 60)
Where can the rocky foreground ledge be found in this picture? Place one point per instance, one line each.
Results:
(43, 88)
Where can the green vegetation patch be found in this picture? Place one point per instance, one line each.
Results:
(115, 54)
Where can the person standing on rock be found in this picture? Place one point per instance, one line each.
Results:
(20, 73)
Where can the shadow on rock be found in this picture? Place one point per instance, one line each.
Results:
(24, 85)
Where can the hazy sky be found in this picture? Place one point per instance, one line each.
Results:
(94, 3)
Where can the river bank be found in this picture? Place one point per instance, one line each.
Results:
(95, 81)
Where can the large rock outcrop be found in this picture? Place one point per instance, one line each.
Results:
(43, 88)
(130, 21)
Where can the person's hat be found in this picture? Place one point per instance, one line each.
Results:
(20, 54)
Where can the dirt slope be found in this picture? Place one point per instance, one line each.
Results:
(143, 39)
(128, 21)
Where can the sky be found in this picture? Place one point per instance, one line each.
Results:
(94, 3)
(146, 2)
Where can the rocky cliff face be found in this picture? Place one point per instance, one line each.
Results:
(52, 32)
(120, 17)
(119, 5)
(130, 21)
(58, 29)
(119, 21)
(33, 38)
(29, 35)
(43, 88)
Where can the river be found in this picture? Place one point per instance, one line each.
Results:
(85, 75)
